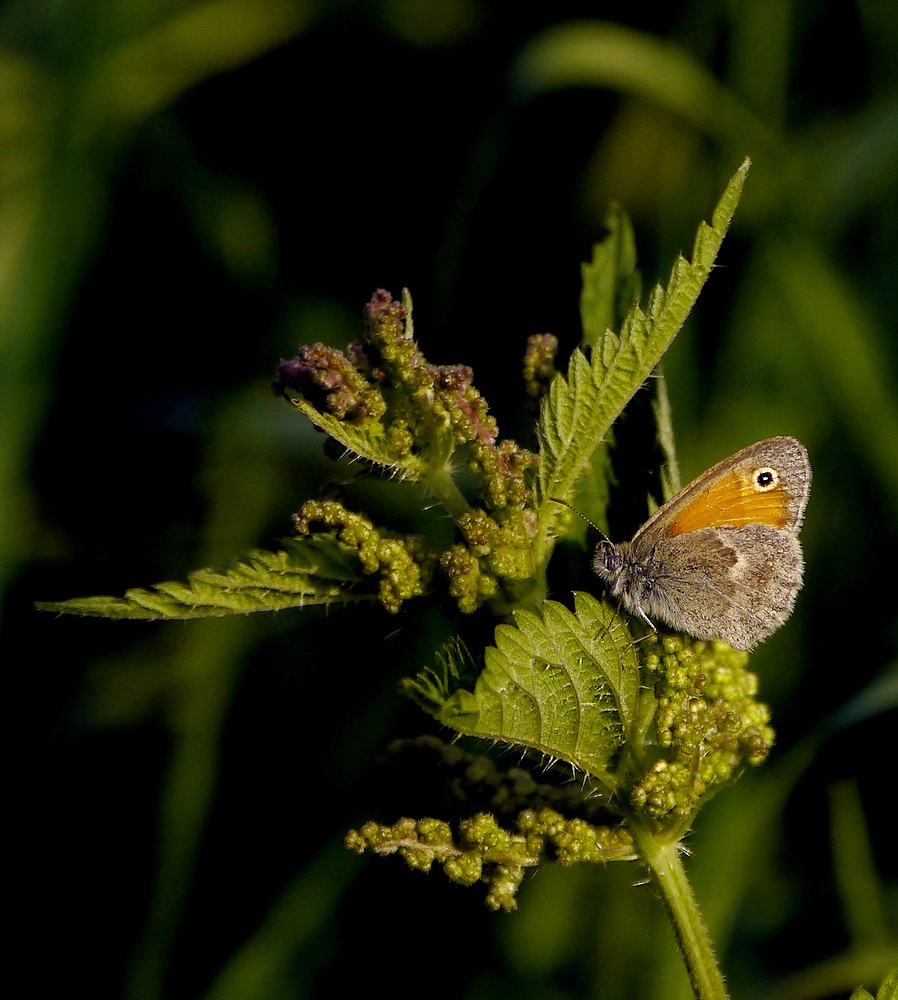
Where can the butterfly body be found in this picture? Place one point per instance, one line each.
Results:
(721, 559)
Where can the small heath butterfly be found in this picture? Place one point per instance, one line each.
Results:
(721, 559)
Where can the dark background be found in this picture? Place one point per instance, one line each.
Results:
(191, 191)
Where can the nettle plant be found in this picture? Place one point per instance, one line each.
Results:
(648, 723)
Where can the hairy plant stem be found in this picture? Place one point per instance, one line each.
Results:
(664, 861)
(443, 486)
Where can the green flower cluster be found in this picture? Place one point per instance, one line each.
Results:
(404, 562)
(520, 824)
(708, 724)
(383, 400)
(539, 363)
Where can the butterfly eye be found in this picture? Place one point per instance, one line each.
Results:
(608, 555)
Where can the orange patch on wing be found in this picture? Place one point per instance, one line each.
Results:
(731, 501)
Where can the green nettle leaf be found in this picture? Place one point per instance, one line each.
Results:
(580, 409)
(888, 990)
(306, 572)
(611, 284)
(562, 683)
(366, 441)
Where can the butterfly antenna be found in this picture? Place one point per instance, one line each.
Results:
(579, 513)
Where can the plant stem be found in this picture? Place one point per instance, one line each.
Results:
(665, 864)
(441, 483)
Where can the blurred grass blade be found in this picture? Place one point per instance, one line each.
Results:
(603, 54)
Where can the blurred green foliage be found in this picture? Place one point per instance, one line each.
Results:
(190, 190)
